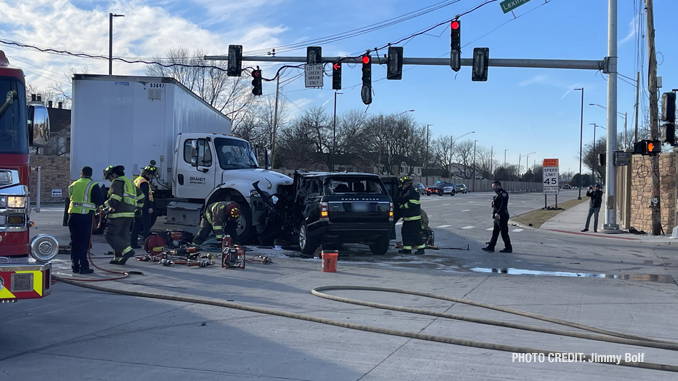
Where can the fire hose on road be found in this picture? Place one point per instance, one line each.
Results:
(601, 334)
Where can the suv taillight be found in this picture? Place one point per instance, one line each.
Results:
(390, 211)
(324, 211)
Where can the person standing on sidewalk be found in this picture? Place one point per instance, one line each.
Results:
(85, 197)
(500, 215)
(594, 206)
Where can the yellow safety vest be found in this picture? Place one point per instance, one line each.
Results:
(130, 196)
(138, 182)
(80, 193)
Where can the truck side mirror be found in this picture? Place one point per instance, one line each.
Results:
(194, 153)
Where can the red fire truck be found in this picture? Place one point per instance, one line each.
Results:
(25, 271)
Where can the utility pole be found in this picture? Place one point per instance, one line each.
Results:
(381, 131)
(637, 93)
(275, 123)
(655, 204)
(426, 162)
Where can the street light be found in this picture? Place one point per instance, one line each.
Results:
(519, 159)
(626, 136)
(593, 173)
(474, 165)
(505, 158)
(426, 162)
(334, 132)
(110, 41)
(581, 136)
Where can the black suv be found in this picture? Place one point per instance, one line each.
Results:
(338, 208)
(332, 208)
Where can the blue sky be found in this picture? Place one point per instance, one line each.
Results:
(518, 109)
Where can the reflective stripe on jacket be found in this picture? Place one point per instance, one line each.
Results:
(80, 193)
(123, 198)
(140, 180)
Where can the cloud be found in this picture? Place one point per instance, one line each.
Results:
(632, 30)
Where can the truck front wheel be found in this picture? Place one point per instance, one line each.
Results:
(244, 229)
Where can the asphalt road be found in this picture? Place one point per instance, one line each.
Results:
(81, 334)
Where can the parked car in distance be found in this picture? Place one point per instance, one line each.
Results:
(566, 186)
(461, 188)
(421, 188)
(441, 189)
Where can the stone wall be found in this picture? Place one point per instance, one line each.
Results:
(54, 177)
(641, 192)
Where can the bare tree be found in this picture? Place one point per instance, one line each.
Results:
(307, 142)
(464, 156)
(484, 162)
(442, 153)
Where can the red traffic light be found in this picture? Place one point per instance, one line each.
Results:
(337, 66)
(455, 24)
(366, 59)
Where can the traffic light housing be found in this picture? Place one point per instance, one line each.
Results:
(234, 61)
(481, 57)
(394, 66)
(455, 45)
(668, 133)
(366, 91)
(601, 159)
(336, 76)
(669, 107)
(648, 147)
(256, 82)
(314, 55)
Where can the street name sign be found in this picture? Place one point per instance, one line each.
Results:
(550, 185)
(509, 5)
(314, 75)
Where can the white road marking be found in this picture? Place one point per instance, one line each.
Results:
(490, 229)
(466, 210)
(445, 204)
(468, 227)
(443, 226)
(516, 230)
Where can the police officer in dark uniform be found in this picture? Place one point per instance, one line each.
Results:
(85, 197)
(409, 207)
(500, 215)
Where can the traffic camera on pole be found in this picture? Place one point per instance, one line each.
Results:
(366, 91)
(336, 76)
(256, 82)
(234, 60)
(394, 66)
(455, 48)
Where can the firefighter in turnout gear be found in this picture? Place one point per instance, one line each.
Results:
(123, 199)
(409, 207)
(143, 216)
(85, 197)
(218, 215)
(500, 215)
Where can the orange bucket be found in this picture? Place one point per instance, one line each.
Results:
(330, 261)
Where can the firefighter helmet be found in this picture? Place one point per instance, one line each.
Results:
(406, 179)
(108, 171)
(151, 170)
(232, 210)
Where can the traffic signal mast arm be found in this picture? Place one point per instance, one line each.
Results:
(495, 62)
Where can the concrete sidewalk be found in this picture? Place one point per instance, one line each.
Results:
(573, 220)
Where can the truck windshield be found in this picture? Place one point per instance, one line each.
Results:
(345, 184)
(234, 154)
(13, 128)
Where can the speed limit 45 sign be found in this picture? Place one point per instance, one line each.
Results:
(551, 176)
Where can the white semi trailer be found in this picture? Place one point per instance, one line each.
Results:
(131, 121)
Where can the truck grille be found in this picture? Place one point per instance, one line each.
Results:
(22, 282)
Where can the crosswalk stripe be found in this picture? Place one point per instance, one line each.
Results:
(445, 204)
(466, 210)
(490, 229)
(443, 226)
(516, 230)
(468, 227)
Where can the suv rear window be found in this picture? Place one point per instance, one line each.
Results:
(340, 185)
